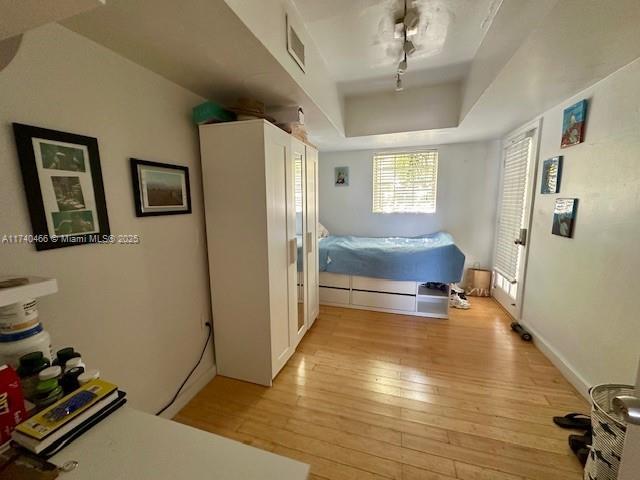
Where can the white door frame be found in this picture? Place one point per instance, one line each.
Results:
(514, 307)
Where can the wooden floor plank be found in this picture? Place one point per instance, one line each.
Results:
(373, 396)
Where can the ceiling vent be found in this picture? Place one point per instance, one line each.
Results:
(295, 47)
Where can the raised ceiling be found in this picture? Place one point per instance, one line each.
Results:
(356, 40)
(535, 54)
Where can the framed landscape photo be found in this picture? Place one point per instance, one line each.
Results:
(564, 216)
(551, 173)
(63, 183)
(573, 124)
(159, 188)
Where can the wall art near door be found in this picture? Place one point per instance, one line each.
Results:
(573, 124)
(551, 173)
(564, 216)
(63, 182)
(159, 188)
(341, 176)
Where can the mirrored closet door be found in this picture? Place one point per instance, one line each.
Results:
(299, 184)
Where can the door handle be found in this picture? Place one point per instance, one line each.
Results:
(628, 407)
(293, 250)
(309, 243)
(522, 239)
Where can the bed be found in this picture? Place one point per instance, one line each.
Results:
(388, 274)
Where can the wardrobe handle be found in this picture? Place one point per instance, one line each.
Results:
(293, 250)
(309, 242)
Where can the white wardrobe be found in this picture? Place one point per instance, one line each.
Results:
(260, 195)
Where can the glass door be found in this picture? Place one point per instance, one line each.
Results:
(514, 217)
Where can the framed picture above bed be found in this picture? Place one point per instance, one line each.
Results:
(341, 176)
(63, 183)
(160, 188)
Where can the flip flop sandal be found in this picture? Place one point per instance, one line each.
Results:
(583, 455)
(578, 442)
(576, 421)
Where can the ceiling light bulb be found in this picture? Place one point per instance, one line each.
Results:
(402, 67)
(409, 47)
(399, 83)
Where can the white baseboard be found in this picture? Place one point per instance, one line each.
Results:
(568, 371)
(191, 390)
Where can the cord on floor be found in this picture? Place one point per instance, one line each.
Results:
(204, 349)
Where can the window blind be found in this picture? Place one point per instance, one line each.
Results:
(405, 182)
(512, 206)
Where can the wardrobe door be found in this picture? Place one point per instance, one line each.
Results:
(313, 293)
(299, 194)
(281, 245)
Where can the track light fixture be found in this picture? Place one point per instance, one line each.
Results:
(408, 47)
(402, 66)
(405, 27)
(399, 86)
(411, 21)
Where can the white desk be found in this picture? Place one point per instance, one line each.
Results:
(133, 445)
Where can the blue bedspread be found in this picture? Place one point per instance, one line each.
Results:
(428, 258)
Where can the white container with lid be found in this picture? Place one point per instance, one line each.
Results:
(15, 345)
(88, 375)
(74, 362)
(18, 317)
(50, 372)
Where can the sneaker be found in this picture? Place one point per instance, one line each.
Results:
(456, 302)
(456, 288)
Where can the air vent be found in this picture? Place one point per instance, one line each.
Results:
(295, 47)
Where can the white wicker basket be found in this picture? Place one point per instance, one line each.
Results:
(608, 433)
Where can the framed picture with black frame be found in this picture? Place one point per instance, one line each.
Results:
(160, 188)
(63, 184)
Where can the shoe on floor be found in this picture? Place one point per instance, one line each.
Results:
(455, 301)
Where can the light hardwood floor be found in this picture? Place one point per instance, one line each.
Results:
(375, 396)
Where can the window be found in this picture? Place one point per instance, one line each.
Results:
(405, 182)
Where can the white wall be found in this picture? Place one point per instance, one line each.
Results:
(465, 205)
(393, 112)
(133, 311)
(581, 293)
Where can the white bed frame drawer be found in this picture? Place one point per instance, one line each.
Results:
(383, 300)
(336, 280)
(382, 285)
(334, 296)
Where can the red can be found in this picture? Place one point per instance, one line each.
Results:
(12, 409)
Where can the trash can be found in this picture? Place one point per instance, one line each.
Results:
(609, 430)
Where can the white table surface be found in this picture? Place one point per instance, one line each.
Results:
(134, 445)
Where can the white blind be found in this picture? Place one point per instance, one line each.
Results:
(405, 182)
(512, 203)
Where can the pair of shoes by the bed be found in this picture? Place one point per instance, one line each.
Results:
(457, 300)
